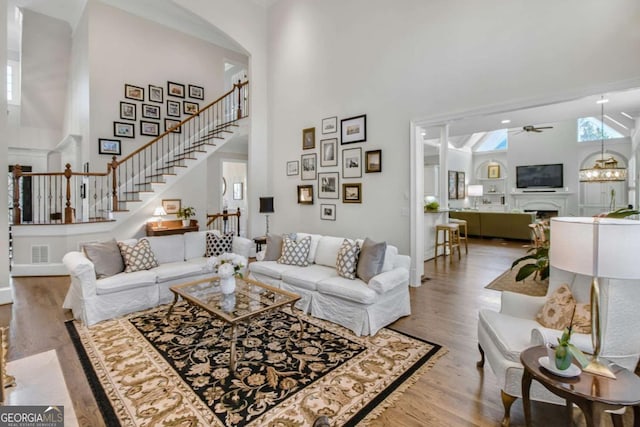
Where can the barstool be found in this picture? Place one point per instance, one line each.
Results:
(451, 236)
(462, 223)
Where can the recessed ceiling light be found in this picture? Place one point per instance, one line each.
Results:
(602, 101)
(505, 121)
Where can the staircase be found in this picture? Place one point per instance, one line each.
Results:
(71, 197)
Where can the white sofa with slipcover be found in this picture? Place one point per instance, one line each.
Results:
(180, 259)
(361, 307)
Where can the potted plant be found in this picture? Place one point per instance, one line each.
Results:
(185, 215)
(431, 207)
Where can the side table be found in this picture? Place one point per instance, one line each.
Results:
(591, 393)
(259, 241)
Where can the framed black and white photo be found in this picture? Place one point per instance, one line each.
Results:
(238, 194)
(175, 89)
(352, 163)
(305, 194)
(150, 111)
(329, 125)
(127, 110)
(169, 123)
(352, 193)
(293, 168)
(173, 108)
(329, 152)
(124, 130)
(461, 188)
(453, 187)
(133, 92)
(156, 94)
(107, 146)
(328, 212)
(308, 138)
(328, 185)
(373, 161)
(196, 92)
(190, 107)
(309, 166)
(353, 129)
(149, 128)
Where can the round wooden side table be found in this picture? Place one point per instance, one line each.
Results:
(591, 393)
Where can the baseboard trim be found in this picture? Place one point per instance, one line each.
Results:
(22, 270)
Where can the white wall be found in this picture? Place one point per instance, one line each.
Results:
(460, 161)
(140, 53)
(5, 290)
(396, 61)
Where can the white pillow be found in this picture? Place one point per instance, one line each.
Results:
(167, 248)
(327, 250)
(315, 238)
(389, 257)
(194, 244)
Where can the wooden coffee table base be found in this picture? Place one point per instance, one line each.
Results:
(593, 394)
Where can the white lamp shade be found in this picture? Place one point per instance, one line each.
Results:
(159, 211)
(598, 247)
(475, 190)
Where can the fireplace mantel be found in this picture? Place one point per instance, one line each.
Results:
(541, 200)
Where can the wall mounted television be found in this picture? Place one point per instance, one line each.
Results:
(539, 176)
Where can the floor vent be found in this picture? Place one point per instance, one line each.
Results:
(39, 254)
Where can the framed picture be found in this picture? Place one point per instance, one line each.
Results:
(190, 107)
(453, 185)
(460, 179)
(175, 89)
(373, 161)
(150, 111)
(127, 110)
(308, 138)
(173, 108)
(329, 152)
(169, 123)
(352, 193)
(293, 168)
(328, 185)
(133, 92)
(354, 129)
(124, 130)
(107, 146)
(237, 191)
(328, 212)
(305, 194)
(149, 128)
(156, 94)
(309, 163)
(329, 125)
(352, 163)
(196, 92)
(171, 206)
(493, 171)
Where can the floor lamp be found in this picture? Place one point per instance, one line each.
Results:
(266, 207)
(600, 248)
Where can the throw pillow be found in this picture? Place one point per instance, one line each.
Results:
(557, 310)
(347, 260)
(582, 319)
(218, 245)
(295, 253)
(138, 257)
(105, 257)
(371, 259)
(274, 248)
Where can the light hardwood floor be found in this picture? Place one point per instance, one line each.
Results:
(445, 311)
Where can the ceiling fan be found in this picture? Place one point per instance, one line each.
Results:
(531, 128)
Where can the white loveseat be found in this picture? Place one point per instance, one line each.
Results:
(361, 307)
(180, 259)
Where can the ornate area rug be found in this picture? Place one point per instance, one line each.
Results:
(146, 371)
(507, 282)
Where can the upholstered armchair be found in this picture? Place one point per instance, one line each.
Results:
(503, 335)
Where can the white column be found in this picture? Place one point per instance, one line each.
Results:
(5, 287)
(444, 169)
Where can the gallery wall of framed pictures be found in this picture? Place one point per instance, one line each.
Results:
(339, 166)
(147, 108)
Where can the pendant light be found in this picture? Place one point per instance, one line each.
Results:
(604, 170)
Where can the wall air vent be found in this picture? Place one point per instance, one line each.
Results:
(39, 254)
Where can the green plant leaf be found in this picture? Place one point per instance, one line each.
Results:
(526, 271)
(578, 355)
(622, 213)
(519, 260)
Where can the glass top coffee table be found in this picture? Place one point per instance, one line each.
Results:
(250, 299)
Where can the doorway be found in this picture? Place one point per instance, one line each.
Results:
(234, 190)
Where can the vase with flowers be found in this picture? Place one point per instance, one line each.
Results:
(227, 266)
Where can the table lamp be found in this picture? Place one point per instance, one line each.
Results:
(475, 191)
(266, 207)
(600, 248)
(159, 212)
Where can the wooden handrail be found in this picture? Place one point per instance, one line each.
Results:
(225, 215)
